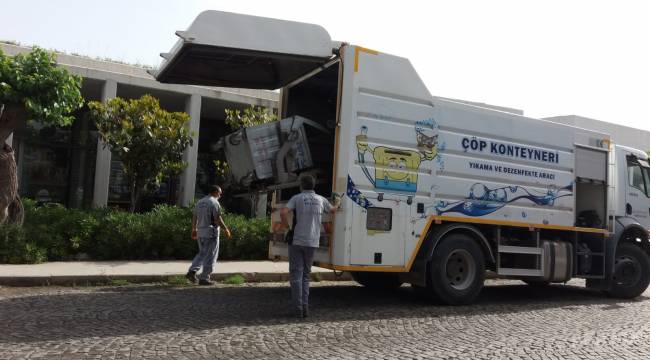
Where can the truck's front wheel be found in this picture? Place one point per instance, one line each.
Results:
(457, 270)
(631, 272)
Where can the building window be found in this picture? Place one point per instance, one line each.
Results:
(119, 190)
(57, 164)
(211, 130)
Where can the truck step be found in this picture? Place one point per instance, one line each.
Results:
(520, 272)
(520, 250)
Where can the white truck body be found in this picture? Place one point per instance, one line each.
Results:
(408, 161)
(483, 164)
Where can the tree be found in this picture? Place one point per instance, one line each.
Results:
(149, 140)
(32, 87)
(251, 116)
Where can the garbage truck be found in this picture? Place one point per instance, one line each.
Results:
(436, 192)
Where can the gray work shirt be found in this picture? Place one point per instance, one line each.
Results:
(309, 207)
(207, 210)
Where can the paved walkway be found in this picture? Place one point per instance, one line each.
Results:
(82, 272)
(509, 321)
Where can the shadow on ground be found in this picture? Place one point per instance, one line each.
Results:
(135, 310)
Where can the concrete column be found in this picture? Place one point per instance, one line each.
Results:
(103, 162)
(260, 206)
(188, 176)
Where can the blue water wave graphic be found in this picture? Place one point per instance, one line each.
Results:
(356, 195)
(483, 200)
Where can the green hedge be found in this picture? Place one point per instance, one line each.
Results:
(54, 233)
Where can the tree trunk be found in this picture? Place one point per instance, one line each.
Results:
(133, 198)
(136, 196)
(8, 183)
(11, 208)
(16, 212)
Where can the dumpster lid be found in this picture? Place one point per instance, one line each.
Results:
(244, 51)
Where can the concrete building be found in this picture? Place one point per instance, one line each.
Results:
(621, 135)
(71, 166)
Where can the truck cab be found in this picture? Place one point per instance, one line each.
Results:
(631, 198)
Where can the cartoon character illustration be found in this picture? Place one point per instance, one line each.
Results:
(397, 169)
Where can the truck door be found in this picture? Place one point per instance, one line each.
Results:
(637, 194)
(243, 51)
(378, 233)
(388, 119)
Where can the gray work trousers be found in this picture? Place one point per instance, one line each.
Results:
(300, 261)
(208, 252)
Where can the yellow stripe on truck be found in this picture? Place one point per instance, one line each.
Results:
(440, 219)
(359, 49)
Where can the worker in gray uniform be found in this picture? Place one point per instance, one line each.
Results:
(309, 208)
(206, 225)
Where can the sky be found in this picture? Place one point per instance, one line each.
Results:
(548, 58)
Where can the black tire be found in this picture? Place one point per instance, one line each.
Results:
(537, 283)
(377, 280)
(457, 270)
(631, 272)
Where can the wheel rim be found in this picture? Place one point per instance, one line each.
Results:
(460, 269)
(627, 271)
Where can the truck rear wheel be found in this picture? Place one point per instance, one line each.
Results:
(457, 270)
(377, 280)
(631, 272)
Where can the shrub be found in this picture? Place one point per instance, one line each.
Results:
(120, 236)
(63, 232)
(15, 249)
(170, 228)
(52, 232)
(249, 239)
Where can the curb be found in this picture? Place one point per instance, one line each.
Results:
(85, 280)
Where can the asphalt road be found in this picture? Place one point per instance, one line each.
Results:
(509, 321)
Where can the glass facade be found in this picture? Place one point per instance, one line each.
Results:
(210, 131)
(119, 192)
(57, 164)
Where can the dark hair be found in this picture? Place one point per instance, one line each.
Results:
(307, 182)
(214, 189)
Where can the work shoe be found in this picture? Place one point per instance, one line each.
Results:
(205, 282)
(191, 276)
(305, 311)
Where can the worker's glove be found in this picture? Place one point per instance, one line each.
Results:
(336, 197)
